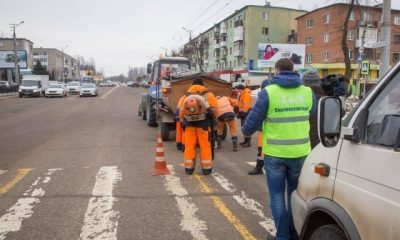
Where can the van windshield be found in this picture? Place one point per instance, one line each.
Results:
(29, 83)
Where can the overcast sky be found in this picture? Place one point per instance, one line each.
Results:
(122, 33)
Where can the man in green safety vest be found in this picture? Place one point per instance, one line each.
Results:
(282, 111)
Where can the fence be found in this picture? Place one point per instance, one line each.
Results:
(8, 90)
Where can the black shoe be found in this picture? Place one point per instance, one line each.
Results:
(242, 142)
(207, 171)
(219, 143)
(256, 171)
(235, 146)
(247, 142)
(189, 171)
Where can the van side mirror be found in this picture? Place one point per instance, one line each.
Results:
(149, 67)
(329, 120)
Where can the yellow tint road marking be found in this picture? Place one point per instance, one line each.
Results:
(220, 205)
(20, 175)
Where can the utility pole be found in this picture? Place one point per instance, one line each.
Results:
(385, 37)
(14, 26)
(62, 65)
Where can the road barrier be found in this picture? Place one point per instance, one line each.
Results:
(8, 90)
(160, 165)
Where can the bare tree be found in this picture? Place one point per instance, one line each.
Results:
(195, 50)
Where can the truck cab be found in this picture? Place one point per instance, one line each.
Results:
(349, 187)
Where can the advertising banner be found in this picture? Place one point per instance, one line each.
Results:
(269, 53)
(7, 59)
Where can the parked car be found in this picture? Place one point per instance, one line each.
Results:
(349, 186)
(135, 84)
(129, 83)
(73, 87)
(56, 90)
(88, 89)
(102, 85)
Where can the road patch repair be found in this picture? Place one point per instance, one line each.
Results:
(23, 209)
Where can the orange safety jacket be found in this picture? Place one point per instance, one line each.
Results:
(245, 100)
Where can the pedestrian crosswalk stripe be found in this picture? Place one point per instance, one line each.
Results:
(189, 222)
(248, 203)
(101, 221)
(23, 209)
(220, 205)
(21, 173)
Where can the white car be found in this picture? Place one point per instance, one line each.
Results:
(73, 87)
(88, 89)
(56, 90)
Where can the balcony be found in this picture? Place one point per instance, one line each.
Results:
(364, 23)
(370, 36)
(224, 30)
(223, 57)
(223, 44)
(238, 53)
(217, 45)
(238, 34)
(205, 61)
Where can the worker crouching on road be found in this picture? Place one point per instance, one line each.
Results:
(226, 115)
(197, 113)
(244, 108)
(283, 110)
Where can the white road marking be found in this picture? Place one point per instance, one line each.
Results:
(108, 93)
(101, 221)
(23, 209)
(248, 203)
(254, 164)
(2, 171)
(189, 221)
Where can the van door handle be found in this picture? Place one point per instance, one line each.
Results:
(322, 169)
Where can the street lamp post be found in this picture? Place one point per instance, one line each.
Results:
(14, 26)
(62, 65)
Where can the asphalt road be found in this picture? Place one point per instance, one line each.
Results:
(78, 168)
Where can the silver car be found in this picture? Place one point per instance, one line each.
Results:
(56, 90)
(74, 87)
(88, 89)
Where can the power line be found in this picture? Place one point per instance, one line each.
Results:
(215, 13)
(204, 11)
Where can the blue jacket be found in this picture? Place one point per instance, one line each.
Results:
(257, 115)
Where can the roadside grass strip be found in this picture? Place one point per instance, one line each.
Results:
(101, 221)
(225, 211)
(21, 173)
(23, 209)
(248, 203)
(189, 221)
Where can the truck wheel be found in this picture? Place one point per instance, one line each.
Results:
(164, 131)
(225, 132)
(331, 231)
(151, 115)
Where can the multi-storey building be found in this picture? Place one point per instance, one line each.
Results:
(321, 31)
(231, 46)
(25, 54)
(52, 58)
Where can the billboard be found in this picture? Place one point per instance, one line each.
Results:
(7, 59)
(269, 53)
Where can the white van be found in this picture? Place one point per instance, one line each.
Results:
(349, 187)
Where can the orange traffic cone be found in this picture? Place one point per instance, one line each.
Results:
(160, 166)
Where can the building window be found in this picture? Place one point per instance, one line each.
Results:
(308, 58)
(350, 35)
(265, 31)
(309, 23)
(325, 55)
(230, 64)
(309, 41)
(326, 19)
(265, 16)
(326, 37)
(396, 39)
(1, 44)
(396, 57)
(351, 54)
(397, 20)
(367, 16)
(352, 16)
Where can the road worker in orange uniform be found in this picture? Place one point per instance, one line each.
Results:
(244, 109)
(226, 115)
(179, 139)
(197, 113)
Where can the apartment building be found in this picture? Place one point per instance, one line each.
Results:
(52, 58)
(25, 54)
(231, 45)
(321, 31)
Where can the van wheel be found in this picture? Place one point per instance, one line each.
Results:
(331, 232)
(151, 117)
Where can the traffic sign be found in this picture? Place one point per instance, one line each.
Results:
(365, 67)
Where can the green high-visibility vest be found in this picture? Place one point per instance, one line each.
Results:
(286, 127)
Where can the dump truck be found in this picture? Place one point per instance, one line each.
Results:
(173, 79)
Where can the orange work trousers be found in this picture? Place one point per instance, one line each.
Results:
(231, 126)
(194, 136)
(179, 132)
